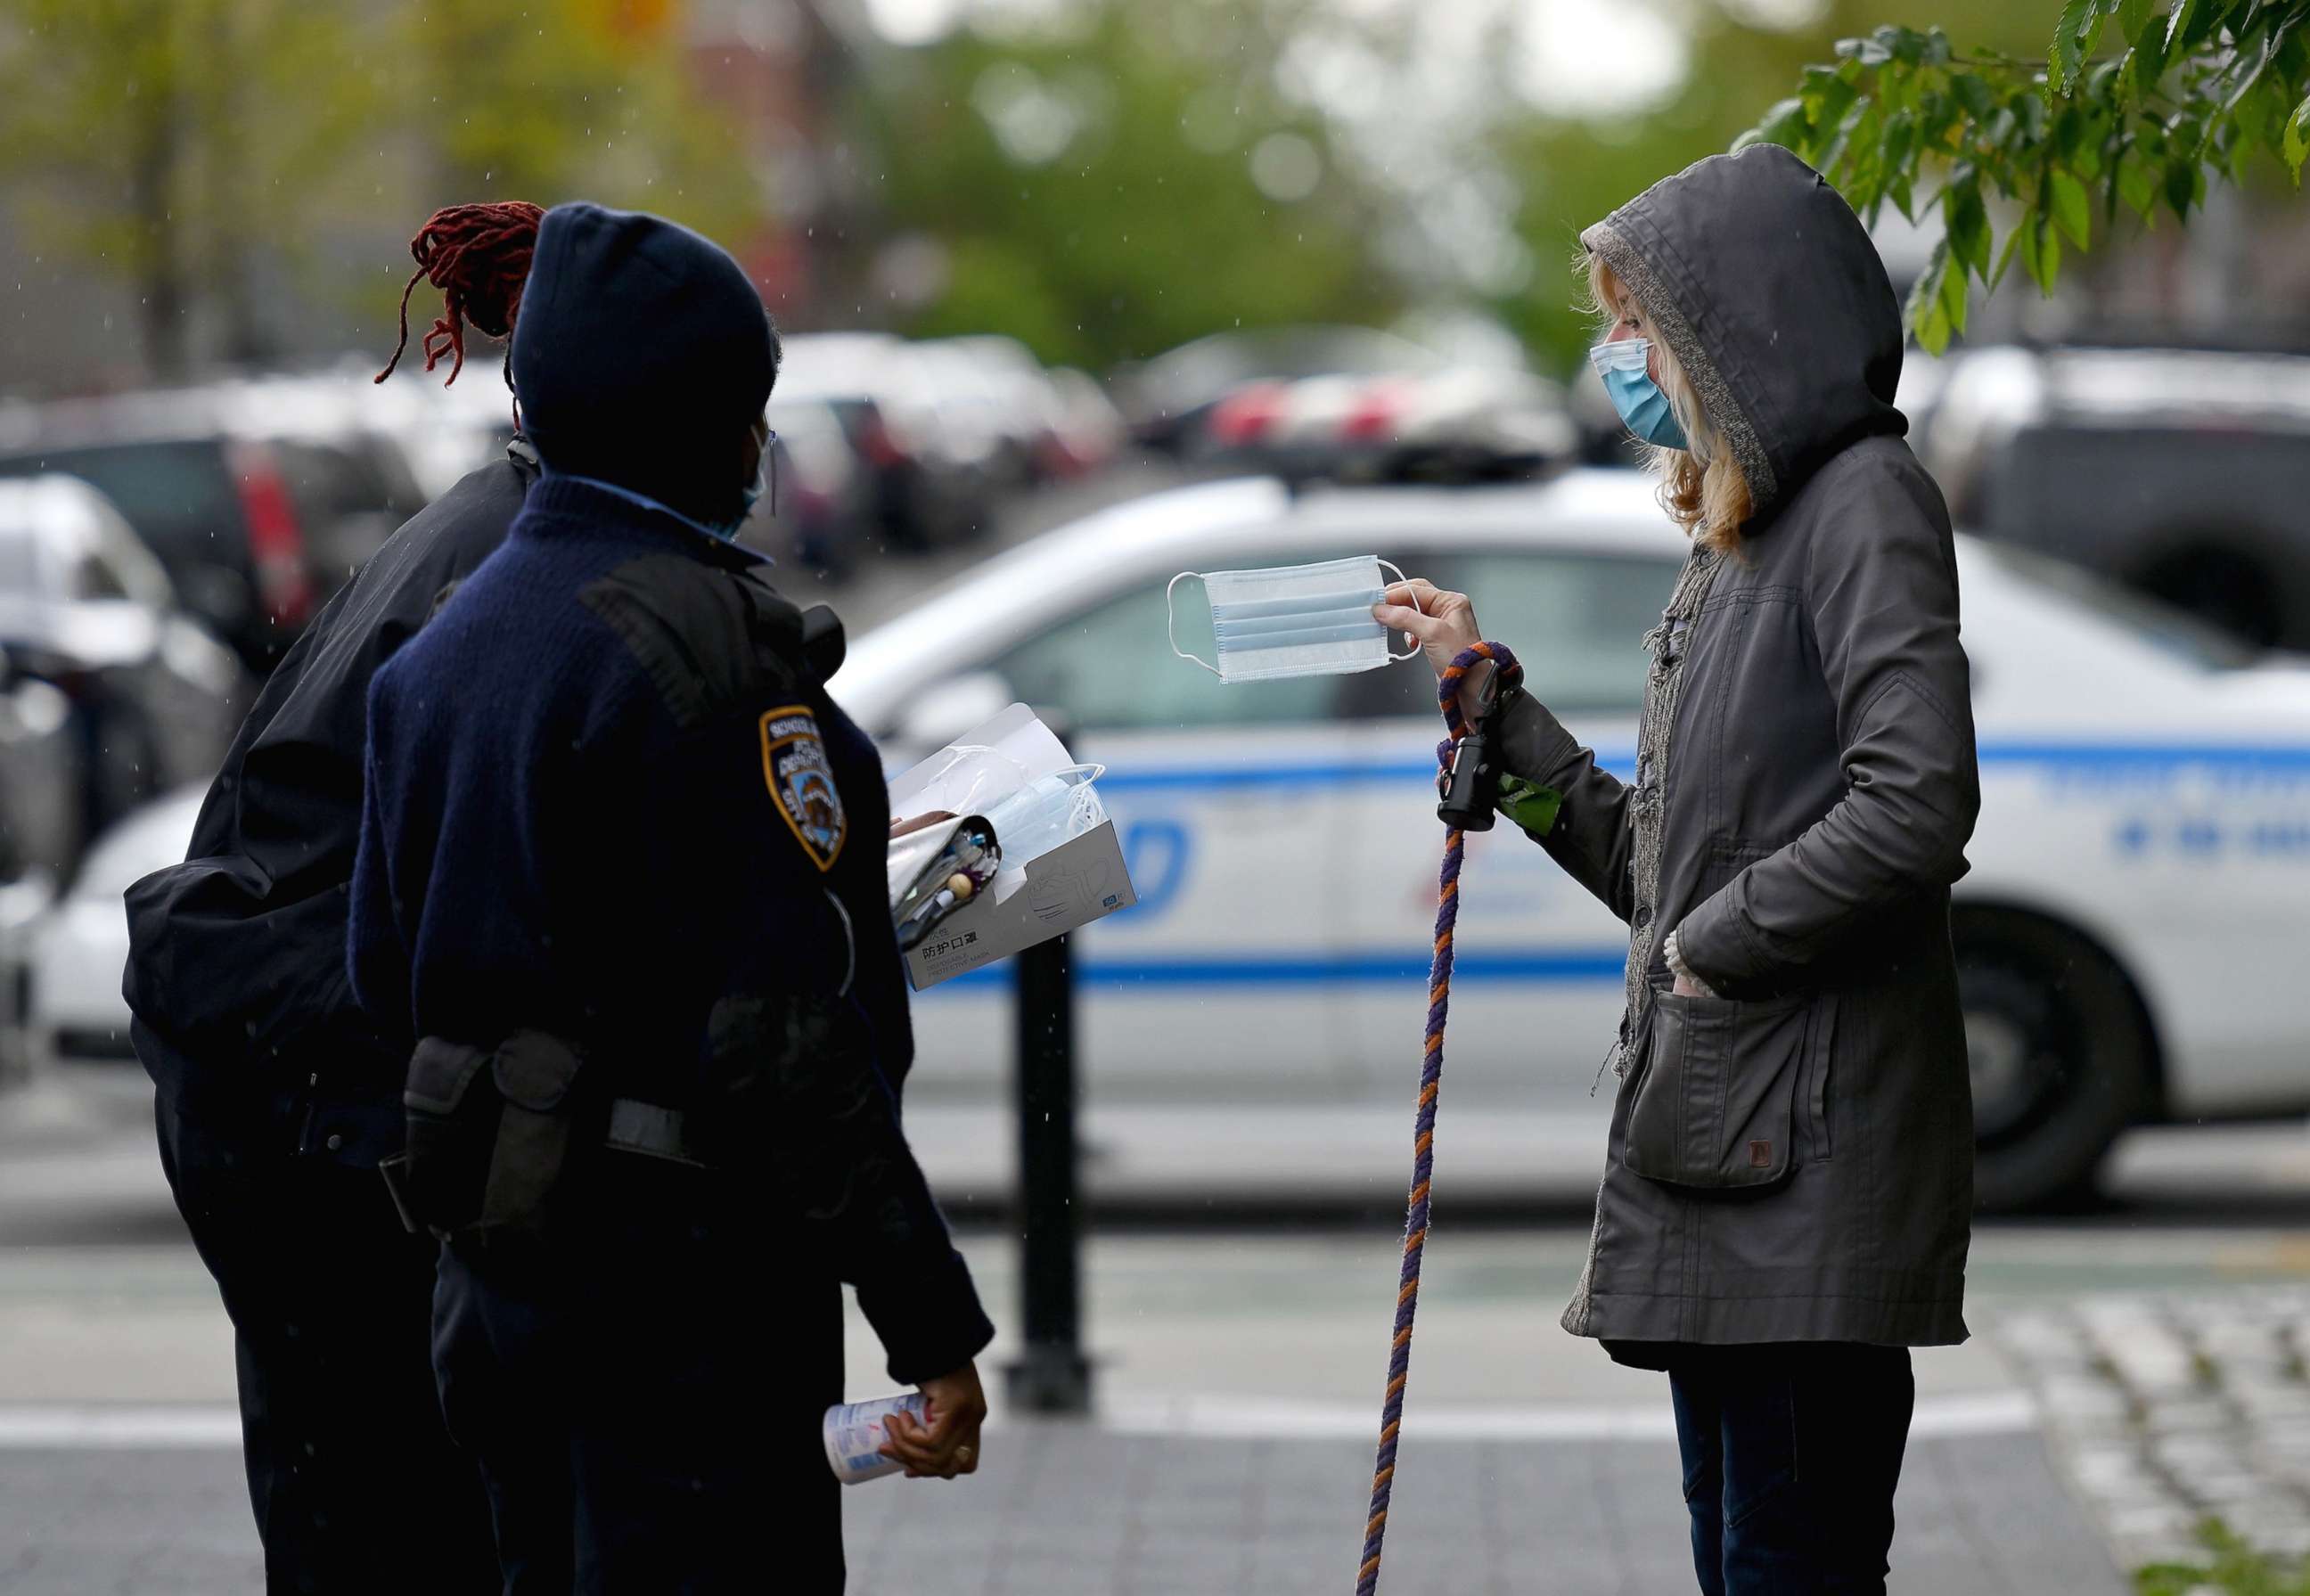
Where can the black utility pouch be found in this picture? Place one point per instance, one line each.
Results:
(492, 1136)
(437, 1181)
(542, 1124)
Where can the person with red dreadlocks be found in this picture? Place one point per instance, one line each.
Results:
(276, 1097)
(622, 892)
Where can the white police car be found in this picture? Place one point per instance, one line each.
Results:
(61, 966)
(2129, 935)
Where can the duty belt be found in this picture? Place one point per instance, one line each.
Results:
(492, 1132)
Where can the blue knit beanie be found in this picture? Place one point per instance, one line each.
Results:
(641, 357)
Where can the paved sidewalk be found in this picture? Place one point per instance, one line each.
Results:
(2167, 1409)
(1238, 1372)
(1072, 1510)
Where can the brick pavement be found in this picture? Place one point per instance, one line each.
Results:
(2168, 1409)
(1071, 1510)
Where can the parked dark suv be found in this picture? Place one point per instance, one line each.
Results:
(259, 518)
(2179, 472)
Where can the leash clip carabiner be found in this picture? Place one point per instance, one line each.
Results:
(1465, 787)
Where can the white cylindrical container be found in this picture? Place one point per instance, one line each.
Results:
(853, 1436)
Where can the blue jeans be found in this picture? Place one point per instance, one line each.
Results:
(1791, 1455)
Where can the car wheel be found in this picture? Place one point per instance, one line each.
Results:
(2059, 1052)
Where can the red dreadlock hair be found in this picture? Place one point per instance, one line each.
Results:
(478, 256)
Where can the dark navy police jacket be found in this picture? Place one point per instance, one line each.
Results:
(236, 973)
(609, 798)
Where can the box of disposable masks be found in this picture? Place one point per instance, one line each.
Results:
(1061, 862)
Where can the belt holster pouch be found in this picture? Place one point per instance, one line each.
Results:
(534, 1073)
(490, 1132)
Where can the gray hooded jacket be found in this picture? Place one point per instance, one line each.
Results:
(1791, 1160)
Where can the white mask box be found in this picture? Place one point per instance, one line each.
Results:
(1080, 880)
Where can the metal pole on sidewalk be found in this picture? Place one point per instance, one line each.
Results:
(1051, 1374)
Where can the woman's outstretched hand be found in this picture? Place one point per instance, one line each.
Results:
(1443, 624)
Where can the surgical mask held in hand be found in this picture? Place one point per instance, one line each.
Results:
(1622, 364)
(1293, 621)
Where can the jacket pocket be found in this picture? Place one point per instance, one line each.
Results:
(1715, 1103)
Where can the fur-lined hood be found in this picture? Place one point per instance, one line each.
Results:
(1764, 285)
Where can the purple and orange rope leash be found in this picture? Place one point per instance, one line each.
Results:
(1423, 1141)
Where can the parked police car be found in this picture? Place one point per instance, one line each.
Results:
(2127, 936)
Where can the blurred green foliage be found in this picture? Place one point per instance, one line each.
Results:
(191, 147)
(167, 139)
(1575, 171)
(1146, 228)
(559, 100)
(2188, 89)
(2232, 1568)
(1093, 188)
(1115, 180)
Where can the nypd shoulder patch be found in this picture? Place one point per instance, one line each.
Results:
(802, 782)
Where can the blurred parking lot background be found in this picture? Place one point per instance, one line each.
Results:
(1078, 294)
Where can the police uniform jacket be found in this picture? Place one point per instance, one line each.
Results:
(609, 798)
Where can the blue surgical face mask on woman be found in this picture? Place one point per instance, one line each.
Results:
(1623, 364)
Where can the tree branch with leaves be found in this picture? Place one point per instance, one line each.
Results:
(2134, 107)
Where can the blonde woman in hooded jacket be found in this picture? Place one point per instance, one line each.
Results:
(1787, 1198)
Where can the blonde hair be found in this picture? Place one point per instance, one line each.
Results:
(1702, 487)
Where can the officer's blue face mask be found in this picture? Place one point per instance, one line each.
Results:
(1293, 621)
(1623, 363)
(750, 493)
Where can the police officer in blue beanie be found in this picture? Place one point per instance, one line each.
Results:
(620, 892)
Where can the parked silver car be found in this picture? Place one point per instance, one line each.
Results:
(258, 497)
(112, 693)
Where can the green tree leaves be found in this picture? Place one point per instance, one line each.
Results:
(1967, 222)
(2067, 205)
(2187, 90)
(1148, 225)
(181, 145)
(2078, 20)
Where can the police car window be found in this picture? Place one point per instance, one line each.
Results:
(1111, 668)
(93, 577)
(2174, 632)
(1577, 622)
